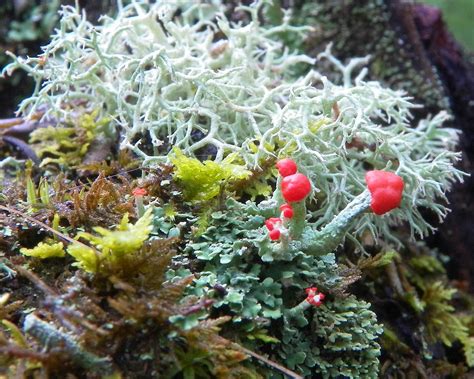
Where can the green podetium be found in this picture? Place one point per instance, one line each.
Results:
(384, 193)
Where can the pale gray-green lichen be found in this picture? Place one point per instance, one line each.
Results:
(197, 81)
(386, 31)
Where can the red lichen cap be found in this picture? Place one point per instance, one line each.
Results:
(272, 222)
(287, 210)
(139, 192)
(274, 234)
(295, 187)
(386, 189)
(314, 298)
(286, 167)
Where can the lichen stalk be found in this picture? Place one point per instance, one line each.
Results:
(139, 206)
(298, 309)
(328, 238)
(277, 195)
(298, 222)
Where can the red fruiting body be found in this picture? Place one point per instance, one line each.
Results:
(274, 226)
(274, 234)
(286, 167)
(295, 187)
(272, 222)
(314, 298)
(287, 210)
(139, 192)
(386, 189)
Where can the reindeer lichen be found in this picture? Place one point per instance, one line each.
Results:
(201, 83)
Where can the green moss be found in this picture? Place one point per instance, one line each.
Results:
(67, 144)
(441, 321)
(45, 250)
(205, 180)
(111, 246)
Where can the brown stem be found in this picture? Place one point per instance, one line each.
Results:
(9, 122)
(43, 225)
(33, 278)
(19, 352)
(394, 279)
(290, 374)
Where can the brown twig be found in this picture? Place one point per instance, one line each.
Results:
(290, 374)
(6, 123)
(43, 225)
(33, 278)
(394, 279)
(9, 122)
(66, 314)
(282, 369)
(336, 110)
(18, 352)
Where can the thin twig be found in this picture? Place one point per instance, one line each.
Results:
(43, 225)
(6, 123)
(64, 313)
(290, 374)
(394, 279)
(336, 110)
(19, 352)
(35, 279)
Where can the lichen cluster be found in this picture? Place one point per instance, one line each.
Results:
(215, 98)
(204, 107)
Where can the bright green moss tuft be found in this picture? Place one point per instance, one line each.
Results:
(109, 245)
(205, 180)
(45, 250)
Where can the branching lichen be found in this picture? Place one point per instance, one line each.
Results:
(171, 83)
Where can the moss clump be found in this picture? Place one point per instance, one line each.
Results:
(45, 250)
(205, 180)
(111, 245)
